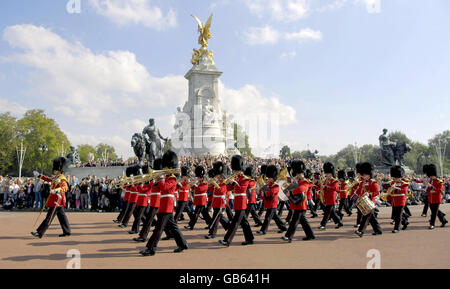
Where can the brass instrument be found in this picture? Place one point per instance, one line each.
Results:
(152, 174)
(231, 179)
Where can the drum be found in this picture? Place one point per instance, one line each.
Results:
(365, 205)
(354, 198)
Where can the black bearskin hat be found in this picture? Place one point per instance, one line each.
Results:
(272, 172)
(358, 168)
(58, 164)
(237, 163)
(170, 160)
(211, 173)
(263, 169)
(133, 170)
(366, 169)
(199, 171)
(249, 172)
(157, 164)
(328, 168)
(184, 171)
(425, 169)
(218, 168)
(144, 170)
(396, 172)
(351, 174)
(298, 167)
(308, 173)
(341, 174)
(431, 170)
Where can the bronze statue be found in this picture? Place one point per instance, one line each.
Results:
(392, 153)
(152, 138)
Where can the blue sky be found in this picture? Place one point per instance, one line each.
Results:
(337, 71)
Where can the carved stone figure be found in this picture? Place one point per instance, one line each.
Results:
(73, 157)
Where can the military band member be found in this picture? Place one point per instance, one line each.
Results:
(310, 193)
(129, 172)
(239, 186)
(251, 197)
(219, 201)
(330, 188)
(57, 199)
(270, 196)
(435, 187)
(154, 198)
(262, 178)
(368, 186)
(352, 185)
(298, 203)
(141, 206)
(132, 199)
(359, 182)
(397, 196)
(165, 221)
(200, 197)
(343, 194)
(183, 194)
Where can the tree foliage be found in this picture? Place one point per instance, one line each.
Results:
(8, 142)
(285, 152)
(84, 150)
(105, 152)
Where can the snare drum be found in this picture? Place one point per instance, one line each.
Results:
(365, 205)
(354, 198)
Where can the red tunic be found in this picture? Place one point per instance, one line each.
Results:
(303, 187)
(220, 199)
(240, 192)
(59, 184)
(252, 187)
(343, 190)
(210, 193)
(398, 197)
(168, 186)
(143, 193)
(133, 194)
(200, 193)
(332, 188)
(127, 194)
(183, 192)
(370, 187)
(155, 196)
(435, 192)
(271, 203)
(309, 193)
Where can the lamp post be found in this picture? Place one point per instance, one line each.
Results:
(440, 151)
(21, 156)
(43, 148)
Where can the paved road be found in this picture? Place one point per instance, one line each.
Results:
(103, 245)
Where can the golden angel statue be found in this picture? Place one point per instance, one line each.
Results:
(205, 35)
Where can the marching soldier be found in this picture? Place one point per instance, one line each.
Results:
(270, 196)
(183, 194)
(435, 187)
(219, 201)
(370, 187)
(343, 195)
(200, 196)
(129, 172)
(251, 197)
(330, 188)
(397, 197)
(141, 206)
(56, 201)
(239, 187)
(298, 206)
(165, 221)
(132, 199)
(310, 193)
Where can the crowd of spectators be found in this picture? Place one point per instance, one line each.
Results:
(110, 163)
(103, 194)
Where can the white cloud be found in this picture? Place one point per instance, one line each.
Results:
(304, 34)
(279, 10)
(133, 125)
(288, 55)
(261, 35)
(13, 107)
(124, 12)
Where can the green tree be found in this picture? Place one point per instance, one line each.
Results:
(84, 150)
(285, 152)
(441, 140)
(105, 152)
(398, 136)
(35, 128)
(8, 142)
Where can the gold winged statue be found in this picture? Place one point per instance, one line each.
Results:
(205, 35)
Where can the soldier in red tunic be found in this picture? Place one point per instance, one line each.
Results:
(219, 201)
(251, 197)
(397, 197)
(57, 199)
(183, 194)
(435, 186)
(298, 203)
(200, 198)
(368, 186)
(166, 222)
(270, 196)
(153, 205)
(132, 198)
(239, 186)
(330, 188)
(343, 195)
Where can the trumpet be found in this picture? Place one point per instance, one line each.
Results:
(152, 174)
(231, 179)
(213, 182)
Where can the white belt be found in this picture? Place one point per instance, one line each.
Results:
(142, 195)
(133, 192)
(199, 195)
(184, 191)
(218, 196)
(155, 194)
(169, 195)
(401, 195)
(240, 195)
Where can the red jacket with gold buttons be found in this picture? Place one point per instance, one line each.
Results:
(167, 188)
(303, 187)
(59, 184)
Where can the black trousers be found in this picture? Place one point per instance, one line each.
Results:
(229, 213)
(179, 210)
(407, 211)
(436, 212)
(194, 216)
(127, 215)
(167, 223)
(149, 217)
(397, 216)
(122, 212)
(62, 218)
(299, 216)
(251, 210)
(239, 219)
(216, 218)
(289, 216)
(138, 213)
(372, 219)
(271, 214)
(281, 206)
(343, 203)
(330, 211)
(312, 207)
(358, 217)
